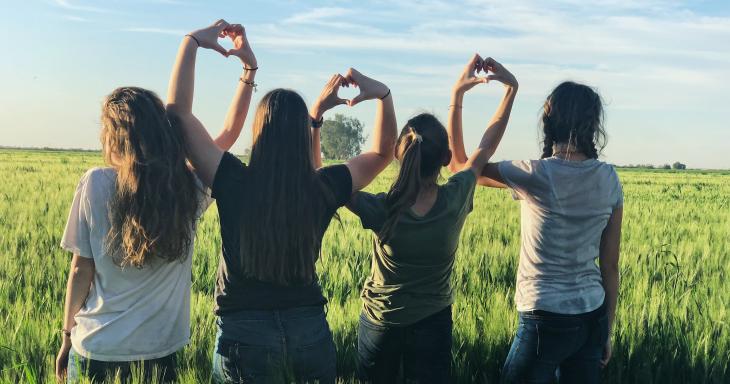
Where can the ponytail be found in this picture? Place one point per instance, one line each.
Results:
(404, 191)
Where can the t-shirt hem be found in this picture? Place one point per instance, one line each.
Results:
(560, 310)
(147, 356)
(77, 251)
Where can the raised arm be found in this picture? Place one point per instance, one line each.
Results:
(466, 81)
(77, 289)
(608, 262)
(366, 166)
(497, 125)
(327, 100)
(238, 109)
(204, 153)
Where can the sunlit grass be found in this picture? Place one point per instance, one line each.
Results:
(672, 324)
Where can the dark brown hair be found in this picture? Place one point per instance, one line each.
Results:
(281, 218)
(155, 200)
(422, 149)
(573, 115)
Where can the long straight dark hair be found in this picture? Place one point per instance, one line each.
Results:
(155, 199)
(422, 149)
(573, 115)
(281, 217)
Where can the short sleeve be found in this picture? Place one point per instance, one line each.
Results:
(228, 178)
(77, 235)
(339, 180)
(519, 176)
(204, 197)
(619, 193)
(460, 189)
(370, 209)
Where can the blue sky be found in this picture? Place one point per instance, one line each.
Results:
(663, 67)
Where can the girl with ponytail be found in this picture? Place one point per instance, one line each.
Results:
(406, 316)
(572, 205)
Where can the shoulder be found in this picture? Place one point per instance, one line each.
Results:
(98, 179)
(338, 171)
(339, 180)
(230, 174)
(462, 179)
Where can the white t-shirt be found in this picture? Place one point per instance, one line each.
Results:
(565, 207)
(131, 313)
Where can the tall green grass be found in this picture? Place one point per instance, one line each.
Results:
(672, 325)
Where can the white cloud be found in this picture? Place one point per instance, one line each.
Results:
(82, 8)
(164, 31)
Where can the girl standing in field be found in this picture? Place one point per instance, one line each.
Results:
(131, 230)
(406, 316)
(273, 214)
(572, 205)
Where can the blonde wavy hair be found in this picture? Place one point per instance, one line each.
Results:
(155, 200)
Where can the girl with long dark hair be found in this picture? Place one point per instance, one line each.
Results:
(273, 213)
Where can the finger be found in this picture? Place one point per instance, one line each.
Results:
(342, 101)
(217, 47)
(471, 65)
(490, 64)
(360, 97)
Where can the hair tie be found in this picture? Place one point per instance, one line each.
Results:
(418, 138)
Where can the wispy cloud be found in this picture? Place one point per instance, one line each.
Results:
(77, 19)
(163, 31)
(82, 8)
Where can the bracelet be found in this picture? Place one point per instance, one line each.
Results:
(316, 124)
(65, 332)
(250, 69)
(194, 38)
(386, 95)
(455, 106)
(251, 83)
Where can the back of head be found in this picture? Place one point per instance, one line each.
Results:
(573, 115)
(155, 199)
(280, 222)
(422, 149)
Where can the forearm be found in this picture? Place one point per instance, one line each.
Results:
(77, 289)
(237, 112)
(498, 124)
(456, 134)
(610, 277)
(182, 80)
(316, 148)
(385, 132)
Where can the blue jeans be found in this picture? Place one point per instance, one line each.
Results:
(551, 347)
(163, 369)
(423, 349)
(278, 346)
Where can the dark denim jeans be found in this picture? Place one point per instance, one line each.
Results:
(551, 347)
(282, 346)
(163, 369)
(422, 348)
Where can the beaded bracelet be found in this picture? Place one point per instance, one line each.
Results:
(251, 83)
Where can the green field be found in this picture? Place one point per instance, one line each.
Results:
(673, 322)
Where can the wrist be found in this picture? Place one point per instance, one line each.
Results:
(248, 75)
(457, 96)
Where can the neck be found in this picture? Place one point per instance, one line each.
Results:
(568, 152)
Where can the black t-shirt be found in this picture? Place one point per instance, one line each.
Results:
(235, 292)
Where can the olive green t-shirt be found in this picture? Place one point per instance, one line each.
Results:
(410, 276)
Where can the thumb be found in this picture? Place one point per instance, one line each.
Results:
(360, 97)
(342, 101)
(219, 48)
(493, 77)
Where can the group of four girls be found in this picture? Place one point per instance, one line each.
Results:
(132, 226)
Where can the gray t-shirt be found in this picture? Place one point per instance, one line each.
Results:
(131, 313)
(565, 208)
